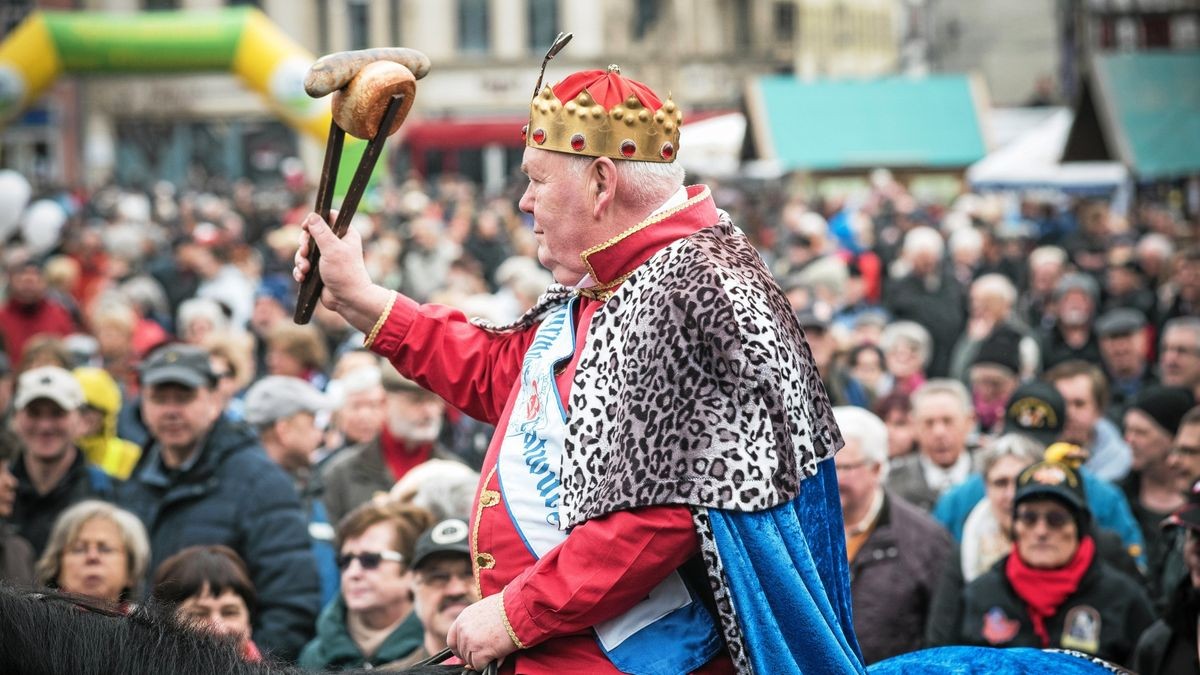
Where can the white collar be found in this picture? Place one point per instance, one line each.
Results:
(940, 479)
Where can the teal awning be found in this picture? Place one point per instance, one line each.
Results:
(1142, 109)
(895, 122)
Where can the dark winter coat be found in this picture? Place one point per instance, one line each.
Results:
(235, 495)
(893, 577)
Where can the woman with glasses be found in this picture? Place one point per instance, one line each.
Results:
(371, 622)
(208, 588)
(97, 550)
(1053, 590)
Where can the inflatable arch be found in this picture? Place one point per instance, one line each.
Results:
(242, 40)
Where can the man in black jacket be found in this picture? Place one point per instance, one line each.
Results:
(1169, 646)
(204, 480)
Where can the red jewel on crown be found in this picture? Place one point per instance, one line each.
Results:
(539, 136)
(524, 132)
(628, 148)
(668, 151)
(577, 142)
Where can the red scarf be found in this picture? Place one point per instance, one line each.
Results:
(400, 456)
(1045, 590)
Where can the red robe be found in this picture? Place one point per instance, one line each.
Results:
(607, 564)
(19, 323)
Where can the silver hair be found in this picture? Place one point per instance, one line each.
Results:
(870, 432)
(201, 308)
(923, 238)
(916, 335)
(943, 386)
(444, 488)
(997, 284)
(1021, 446)
(1047, 254)
(66, 530)
(1188, 323)
(642, 183)
(967, 238)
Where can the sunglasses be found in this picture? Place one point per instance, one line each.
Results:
(1055, 520)
(368, 560)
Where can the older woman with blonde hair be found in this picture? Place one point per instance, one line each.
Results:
(298, 351)
(97, 550)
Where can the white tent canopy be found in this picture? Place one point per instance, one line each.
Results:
(712, 146)
(1032, 160)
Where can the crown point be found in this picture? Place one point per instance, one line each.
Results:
(570, 107)
(614, 68)
(633, 102)
(617, 113)
(644, 115)
(597, 111)
(669, 106)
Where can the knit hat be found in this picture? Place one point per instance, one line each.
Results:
(1056, 481)
(1165, 405)
(1037, 410)
(1001, 347)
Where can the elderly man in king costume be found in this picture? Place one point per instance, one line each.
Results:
(662, 434)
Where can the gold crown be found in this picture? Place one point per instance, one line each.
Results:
(626, 129)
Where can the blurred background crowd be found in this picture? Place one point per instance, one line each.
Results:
(1014, 353)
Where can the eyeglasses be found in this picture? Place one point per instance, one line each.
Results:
(83, 548)
(1055, 520)
(368, 560)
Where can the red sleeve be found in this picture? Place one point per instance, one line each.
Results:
(437, 347)
(604, 567)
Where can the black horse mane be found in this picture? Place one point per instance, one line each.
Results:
(50, 633)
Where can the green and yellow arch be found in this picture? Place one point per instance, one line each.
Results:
(243, 41)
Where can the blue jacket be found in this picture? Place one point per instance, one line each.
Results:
(1107, 503)
(233, 494)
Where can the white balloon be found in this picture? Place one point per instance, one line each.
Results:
(14, 195)
(42, 225)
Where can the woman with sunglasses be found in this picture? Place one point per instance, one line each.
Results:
(1053, 590)
(371, 621)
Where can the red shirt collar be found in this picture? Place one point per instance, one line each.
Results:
(612, 261)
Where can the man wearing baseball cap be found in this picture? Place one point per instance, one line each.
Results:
(442, 584)
(204, 480)
(1170, 645)
(283, 410)
(52, 472)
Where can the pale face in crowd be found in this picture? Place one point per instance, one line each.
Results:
(858, 479)
(442, 588)
(178, 416)
(1045, 533)
(556, 197)
(1082, 410)
(902, 433)
(415, 416)
(868, 369)
(942, 427)
(225, 614)
(362, 415)
(1184, 459)
(96, 563)
(1075, 309)
(387, 586)
(300, 437)
(1000, 484)
(903, 360)
(1124, 355)
(1179, 357)
(47, 431)
(1149, 442)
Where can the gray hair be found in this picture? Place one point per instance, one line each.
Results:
(998, 285)
(871, 433)
(967, 238)
(923, 238)
(201, 308)
(445, 488)
(1047, 254)
(1019, 446)
(946, 387)
(66, 530)
(916, 335)
(643, 183)
(1155, 242)
(1188, 323)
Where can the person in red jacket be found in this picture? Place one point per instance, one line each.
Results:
(28, 311)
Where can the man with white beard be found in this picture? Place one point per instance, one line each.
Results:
(408, 437)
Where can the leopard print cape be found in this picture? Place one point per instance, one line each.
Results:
(696, 387)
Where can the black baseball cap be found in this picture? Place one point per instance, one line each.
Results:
(1037, 410)
(178, 364)
(448, 536)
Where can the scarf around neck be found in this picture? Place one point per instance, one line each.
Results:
(1044, 590)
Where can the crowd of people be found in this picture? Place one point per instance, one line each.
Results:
(1017, 393)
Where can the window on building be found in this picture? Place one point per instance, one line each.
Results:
(160, 4)
(785, 21)
(741, 24)
(645, 15)
(251, 3)
(397, 34)
(473, 22)
(358, 16)
(543, 24)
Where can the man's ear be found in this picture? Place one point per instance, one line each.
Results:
(602, 185)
